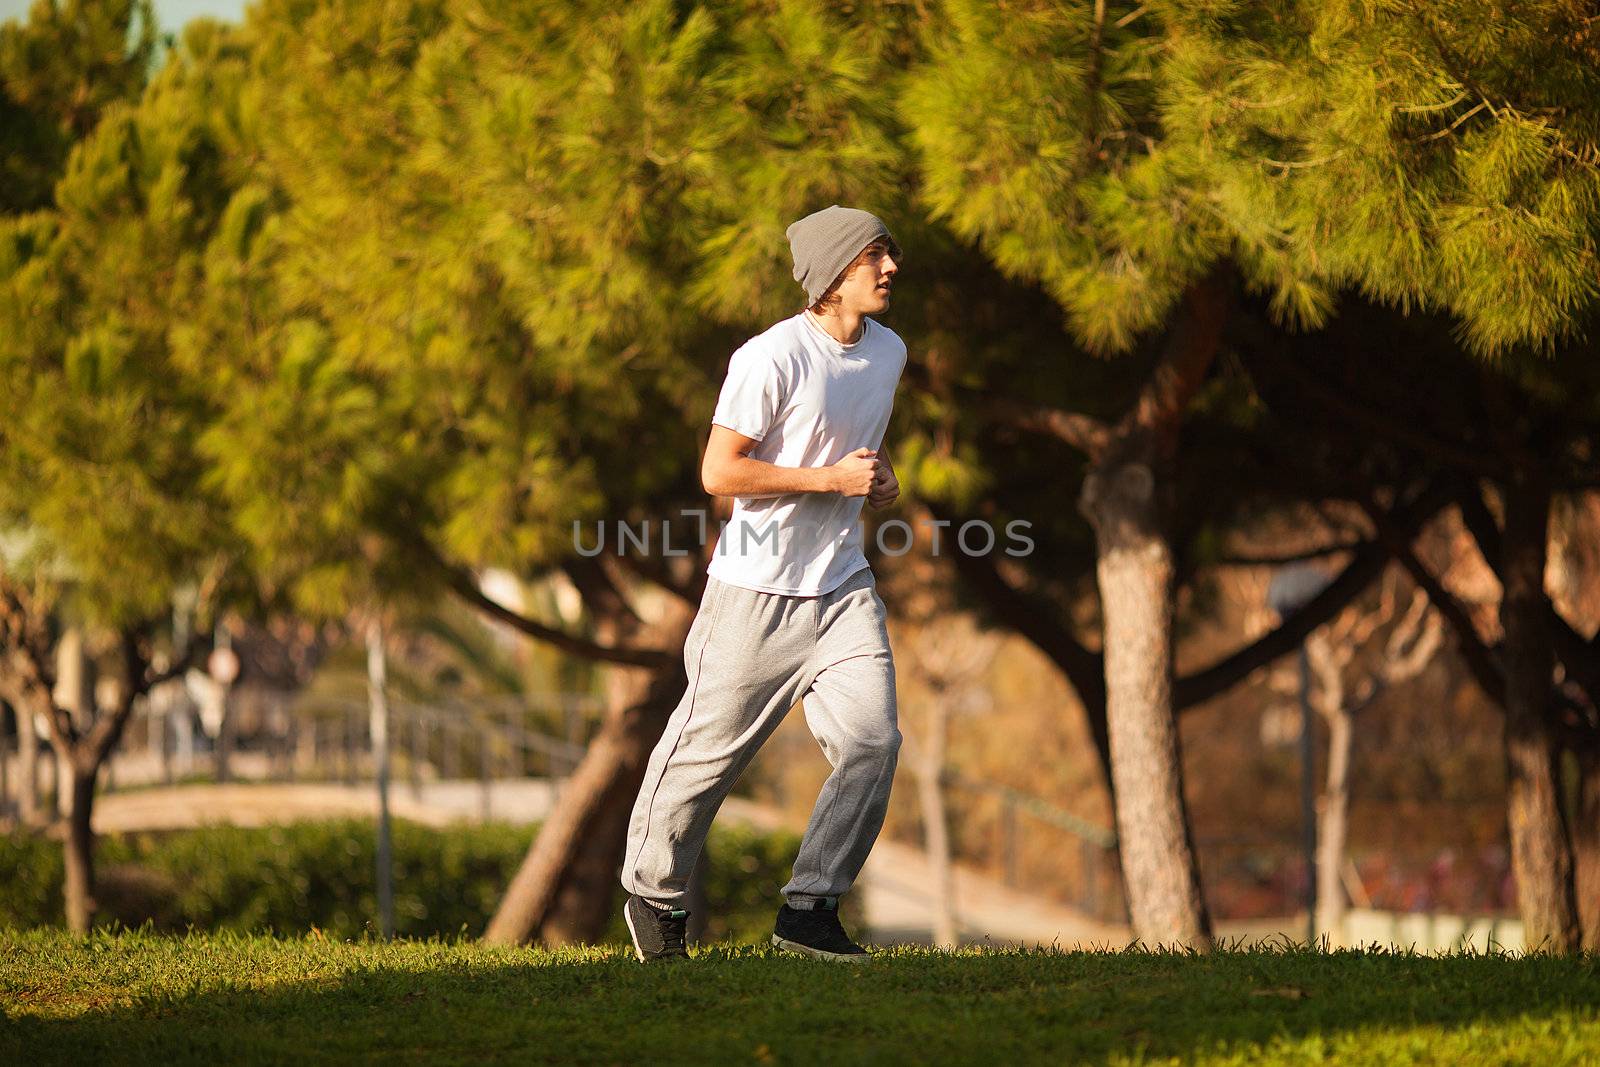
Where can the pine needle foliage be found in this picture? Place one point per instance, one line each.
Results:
(97, 421)
(1432, 156)
(60, 68)
(353, 278)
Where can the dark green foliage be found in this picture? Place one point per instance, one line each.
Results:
(292, 878)
(60, 68)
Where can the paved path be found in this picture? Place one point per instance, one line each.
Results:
(894, 885)
(520, 800)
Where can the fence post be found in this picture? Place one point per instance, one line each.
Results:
(155, 722)
(1008, 838)
(450, 753)
(1090, 859)
(280, 741)
(417, 727)
(309, 745)
(378, 718)
(351, 741)
(286, 745)
(167, 734)
(183, 739)
(483, 771)
(5, 770)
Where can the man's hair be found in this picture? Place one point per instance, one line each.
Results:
(830, 295)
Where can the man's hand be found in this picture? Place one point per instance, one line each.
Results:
(885, 487)
(856, 474)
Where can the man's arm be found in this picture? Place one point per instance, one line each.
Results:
(727, 470)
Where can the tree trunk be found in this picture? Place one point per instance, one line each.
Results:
(572, 867)
(1326, 665)
(588, 887)
(564, 891)
(74, 695)
(27, 765)
(1333, 824)
(79, 851)
(1541, 855)
(47, 806)
(183, 736)
(935, 823)
(1135, 570)
(378, 710)
(5, 771)
(222, 756)
(1586, 847)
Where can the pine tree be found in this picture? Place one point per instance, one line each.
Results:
(1121, 155)
(1434, 157)
(480, 241)
(1038, 136)
(98, 475)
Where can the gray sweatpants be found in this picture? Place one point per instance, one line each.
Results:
(750, 656)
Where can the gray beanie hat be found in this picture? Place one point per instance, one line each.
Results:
(824, 243)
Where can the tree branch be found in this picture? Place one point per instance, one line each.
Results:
(1092, 83)
(1482, 660)
(1202, 685)
(1191, 348)
(103, 736)
(1283, 560)
(466, 587)
(1086, 433)
(1579, 656)
(659, 575)
(464, 584)
(594, 582)
(180, 666)
(26, 646)
(1367, 563)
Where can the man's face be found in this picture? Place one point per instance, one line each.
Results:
(866, 288)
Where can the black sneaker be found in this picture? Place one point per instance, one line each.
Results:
(816, 933)
(658, 933)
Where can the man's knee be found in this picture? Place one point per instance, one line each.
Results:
(880, 745)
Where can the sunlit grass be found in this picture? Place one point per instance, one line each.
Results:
(138, 997)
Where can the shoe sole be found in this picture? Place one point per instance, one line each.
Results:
(627, 917)
(820, 954)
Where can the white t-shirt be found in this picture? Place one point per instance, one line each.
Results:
(808, 401)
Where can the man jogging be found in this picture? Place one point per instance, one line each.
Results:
(790, 609)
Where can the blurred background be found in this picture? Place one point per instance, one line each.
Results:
(356, 360)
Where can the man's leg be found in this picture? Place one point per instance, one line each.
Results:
(851, 711)
(747, 660)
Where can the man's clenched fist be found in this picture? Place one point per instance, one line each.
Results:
(857, 473)
(885, 486)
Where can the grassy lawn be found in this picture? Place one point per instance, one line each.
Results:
(142, 998)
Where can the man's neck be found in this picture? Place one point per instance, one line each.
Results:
(840, 324)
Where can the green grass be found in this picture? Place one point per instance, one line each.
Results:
(144, 998)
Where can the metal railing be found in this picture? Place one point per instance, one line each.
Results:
(1093, 884)
(296, 738)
